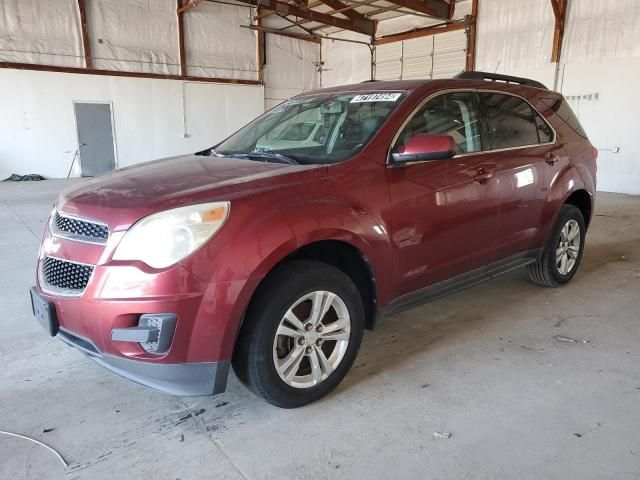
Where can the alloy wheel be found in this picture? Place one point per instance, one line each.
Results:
(568, 247)
(311, 339)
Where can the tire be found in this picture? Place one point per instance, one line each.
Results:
(548, 270)
(262, 352)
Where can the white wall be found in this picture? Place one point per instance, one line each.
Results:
(37, 125)
(515, 37)
(131, 35)
(291, 68)
(598, 70)
(153, 118)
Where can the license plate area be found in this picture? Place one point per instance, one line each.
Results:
(45, 312)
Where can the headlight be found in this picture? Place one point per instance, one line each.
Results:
(165, 238)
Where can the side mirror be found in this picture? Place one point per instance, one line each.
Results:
(424, 146)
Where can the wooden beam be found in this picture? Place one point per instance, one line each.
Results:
(419, 32)
(282, 33)
(267, 13)
(86, 43)
(471, 22)
(434, 8)
(182, 52)
(187, 5)
(452, 8)
(559, 12)
(367, 27)
(346, 10)
(261, 45)
(339, 10)
(115, 73)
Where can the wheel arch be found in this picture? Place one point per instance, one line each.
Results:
(339, 253)
(581, 199)
(350, 260)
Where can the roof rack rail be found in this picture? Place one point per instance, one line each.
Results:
(497, 77)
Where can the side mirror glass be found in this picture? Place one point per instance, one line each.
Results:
(424, 146)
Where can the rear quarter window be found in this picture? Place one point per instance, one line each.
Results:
(563, 110)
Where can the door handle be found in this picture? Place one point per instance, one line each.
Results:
(483, 176)
(551, 158)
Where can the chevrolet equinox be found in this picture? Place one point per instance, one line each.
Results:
(272, 251)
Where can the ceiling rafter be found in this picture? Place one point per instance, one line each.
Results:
(364, 26)
(420, 32)
(344, 9)
(437, 9)
(434, 8)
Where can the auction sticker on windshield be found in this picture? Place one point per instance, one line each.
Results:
(376, 97)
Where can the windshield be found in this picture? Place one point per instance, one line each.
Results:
(313, 130)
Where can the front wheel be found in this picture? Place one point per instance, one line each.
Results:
(301, 334)
(562, 254)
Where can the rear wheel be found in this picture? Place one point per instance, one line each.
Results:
(301, 334)
(562, 254)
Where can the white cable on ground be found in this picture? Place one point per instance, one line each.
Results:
(39, 443)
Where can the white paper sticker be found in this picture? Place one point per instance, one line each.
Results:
(376, 97)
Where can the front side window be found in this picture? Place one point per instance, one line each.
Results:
(319, 129)
(453, 114)
(513, 122)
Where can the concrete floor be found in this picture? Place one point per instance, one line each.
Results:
(483, 365)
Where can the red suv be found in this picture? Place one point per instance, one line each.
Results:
(275, 249)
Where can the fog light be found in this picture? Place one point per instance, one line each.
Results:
(165, 323)
(154, 332)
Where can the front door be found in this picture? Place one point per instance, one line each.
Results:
(95, 138)
(444, 213)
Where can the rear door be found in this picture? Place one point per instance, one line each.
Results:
(444, 213)
(522, 145)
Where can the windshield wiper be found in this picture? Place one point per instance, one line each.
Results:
(270, 156)
(209, 152)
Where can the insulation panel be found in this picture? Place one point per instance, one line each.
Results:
(134, 35)
(46, 33)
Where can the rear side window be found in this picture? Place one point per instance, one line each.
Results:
(513, 122)
(562, 108)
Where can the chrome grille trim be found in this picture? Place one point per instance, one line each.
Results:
(78, 229)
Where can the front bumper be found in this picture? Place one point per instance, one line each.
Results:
(100, 320)
(184, 379)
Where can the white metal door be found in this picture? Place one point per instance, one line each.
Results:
(450, 54)
(436, 56)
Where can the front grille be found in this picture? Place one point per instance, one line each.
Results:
(80, 229)
(68, 276)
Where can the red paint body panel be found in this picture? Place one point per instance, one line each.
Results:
(416, 224)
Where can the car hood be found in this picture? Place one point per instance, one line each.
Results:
(122, 197)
